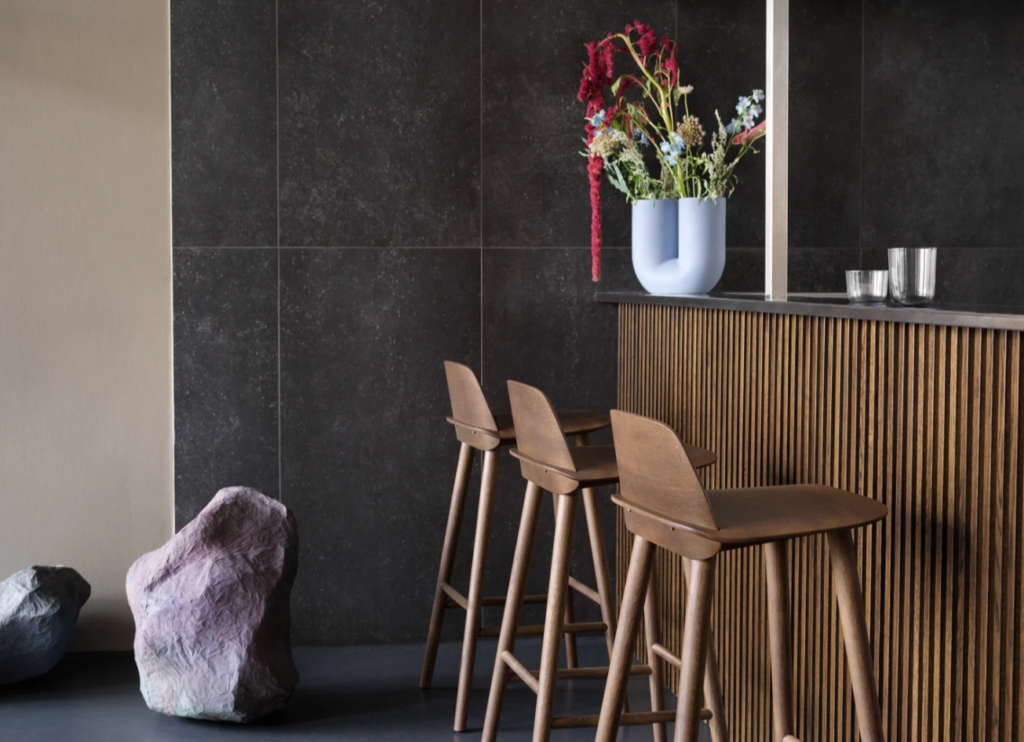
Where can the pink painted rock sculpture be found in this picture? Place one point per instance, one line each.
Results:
(212, 615)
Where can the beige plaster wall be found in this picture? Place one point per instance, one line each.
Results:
(86, 433)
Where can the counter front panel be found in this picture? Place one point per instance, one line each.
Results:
(924, 417)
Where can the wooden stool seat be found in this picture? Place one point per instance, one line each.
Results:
(665, 504)
(747, 517)
(480, 430)
(572, 422)
(595, 466)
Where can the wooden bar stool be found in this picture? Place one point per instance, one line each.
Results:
(479, 430)
(549, 464)
(664, 503)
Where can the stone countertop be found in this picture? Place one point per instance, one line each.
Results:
(996, 317)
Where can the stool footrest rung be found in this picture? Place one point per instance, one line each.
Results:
(584, 590)
(625, 720)
(517, 667)
(538, 629)
(455, 598)
(591, 672)
(666, 655)
(527, 599)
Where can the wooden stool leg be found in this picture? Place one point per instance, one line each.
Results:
(599, 556)
(444, 573)
(488, 483)
(558, 586)
(843, 555)
(652, 635)
(712, 681)
(513, 607)
(779, 638)
(695, 650)
(634, 593)
(713, 694)
(571, 652)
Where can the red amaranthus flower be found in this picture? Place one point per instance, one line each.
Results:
(595, 168)
(598, 72)
(592, 82)
(673, 69)
(648, 39)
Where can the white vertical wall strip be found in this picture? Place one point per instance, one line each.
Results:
(776, 213)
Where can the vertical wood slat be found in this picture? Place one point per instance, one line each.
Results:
(925, 419)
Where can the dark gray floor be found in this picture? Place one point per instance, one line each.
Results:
(358, 693)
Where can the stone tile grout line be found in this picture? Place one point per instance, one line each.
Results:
(277, 132)
(495, 248)
(481, 193)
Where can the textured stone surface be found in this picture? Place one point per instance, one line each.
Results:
(38, 610)
(535, 181)
(211, 611)
(224, 122)
(932, 73)
(367, 458)
(380, 123)
(542, 326)
(225, 374)
(456, 124)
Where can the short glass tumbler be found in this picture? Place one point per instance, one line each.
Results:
(867, 286)
(912, 274)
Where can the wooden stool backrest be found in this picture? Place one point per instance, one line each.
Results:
(538, 433)
(655, 472)
(469, 405)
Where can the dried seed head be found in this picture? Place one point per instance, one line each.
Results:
(691, 131)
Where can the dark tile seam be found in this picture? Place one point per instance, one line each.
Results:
(530, 247)
(481, 371)
(277, 120)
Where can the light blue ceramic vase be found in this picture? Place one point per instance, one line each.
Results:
(679, 246)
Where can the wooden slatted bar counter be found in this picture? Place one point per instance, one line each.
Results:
(919, 408)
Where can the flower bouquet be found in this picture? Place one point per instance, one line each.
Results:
(654, 129)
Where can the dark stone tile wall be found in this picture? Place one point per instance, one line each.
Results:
(824, 129)
(722, 54)
(225, 374)
(533, 124)
(942, 159)
(367, 457)
(362, 190)
(224, 122)
(380, 123)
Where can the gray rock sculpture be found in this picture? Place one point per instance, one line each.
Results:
(212, 615)
(39, 608)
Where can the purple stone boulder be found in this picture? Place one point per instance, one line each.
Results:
(211, 609)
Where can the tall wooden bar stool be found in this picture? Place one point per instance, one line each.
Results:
(568, 473)
(664, 503)
(479, 430)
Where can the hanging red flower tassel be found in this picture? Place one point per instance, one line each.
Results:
(598, 72)
(595, 168)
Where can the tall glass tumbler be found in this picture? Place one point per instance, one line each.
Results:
(912, 275)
